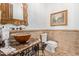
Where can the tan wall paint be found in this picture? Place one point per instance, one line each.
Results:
(68, 40)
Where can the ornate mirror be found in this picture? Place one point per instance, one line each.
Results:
(14, 13)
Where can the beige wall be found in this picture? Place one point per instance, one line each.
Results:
(68, 40)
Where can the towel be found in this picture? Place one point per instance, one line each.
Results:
(5, 36)
(5, 33)
(7, 50)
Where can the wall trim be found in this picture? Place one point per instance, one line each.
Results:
(43, 30)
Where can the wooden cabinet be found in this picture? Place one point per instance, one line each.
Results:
(6, 12)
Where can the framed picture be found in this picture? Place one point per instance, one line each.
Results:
(58, 18)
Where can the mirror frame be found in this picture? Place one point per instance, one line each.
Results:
(17, 21)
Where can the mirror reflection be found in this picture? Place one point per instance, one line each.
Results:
(18, 11)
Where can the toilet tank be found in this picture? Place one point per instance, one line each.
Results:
(44, 37)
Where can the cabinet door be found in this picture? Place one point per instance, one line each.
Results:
(6, 12)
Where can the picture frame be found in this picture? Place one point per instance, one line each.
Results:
(58, 18)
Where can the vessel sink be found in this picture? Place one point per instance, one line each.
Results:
(22, 38)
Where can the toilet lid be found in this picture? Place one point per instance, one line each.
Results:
(52, 43)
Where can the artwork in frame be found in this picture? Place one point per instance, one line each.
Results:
(58, 18)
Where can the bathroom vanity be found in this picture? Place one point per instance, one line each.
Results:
(28, 49)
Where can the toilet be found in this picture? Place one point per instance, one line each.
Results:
(50, 45)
